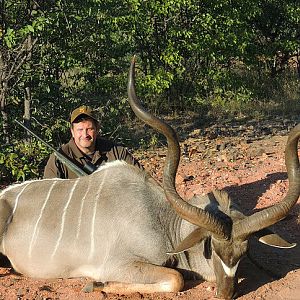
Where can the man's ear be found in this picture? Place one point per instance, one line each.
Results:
(72, 131)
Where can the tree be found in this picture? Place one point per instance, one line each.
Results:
(16, 47)
(275, 34)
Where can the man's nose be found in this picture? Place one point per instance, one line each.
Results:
(85, 132)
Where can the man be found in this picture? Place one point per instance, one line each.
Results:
(85, 148)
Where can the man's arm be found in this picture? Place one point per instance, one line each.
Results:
(54, 168)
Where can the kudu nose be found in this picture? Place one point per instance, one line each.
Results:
(227, 294)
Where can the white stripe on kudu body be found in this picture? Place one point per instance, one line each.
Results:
(17, 199)
(35, 230)
(92, 249)
(62, 227)
(89, 187)
(14, 210)
(81, 208)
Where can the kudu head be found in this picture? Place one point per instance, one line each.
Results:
(226, 232)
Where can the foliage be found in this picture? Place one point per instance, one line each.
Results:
(22, 161)
(212, 57)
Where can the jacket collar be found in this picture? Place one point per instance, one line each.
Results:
(75, 149)
(79, 154)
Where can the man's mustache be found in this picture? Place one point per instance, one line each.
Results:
(89, 138)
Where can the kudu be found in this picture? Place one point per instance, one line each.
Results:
(120, 227)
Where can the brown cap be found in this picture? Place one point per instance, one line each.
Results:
(82, 110)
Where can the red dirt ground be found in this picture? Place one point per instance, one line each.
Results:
(253, 173)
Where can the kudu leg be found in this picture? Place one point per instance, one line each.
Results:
(144, 278)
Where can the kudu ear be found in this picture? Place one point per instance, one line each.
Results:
(268, 237)
(191, 240)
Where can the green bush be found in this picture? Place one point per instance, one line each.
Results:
(22, 161)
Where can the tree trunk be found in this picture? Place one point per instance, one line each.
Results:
(27, 106)
(28, 95)
(4, 114)
(298, 62)
(3, 93)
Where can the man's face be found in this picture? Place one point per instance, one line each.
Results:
(84, 134)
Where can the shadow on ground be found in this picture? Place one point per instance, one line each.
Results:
(265, 263)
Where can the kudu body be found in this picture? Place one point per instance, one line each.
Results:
(120, 227)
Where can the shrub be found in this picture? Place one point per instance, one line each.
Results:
(22, 161)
